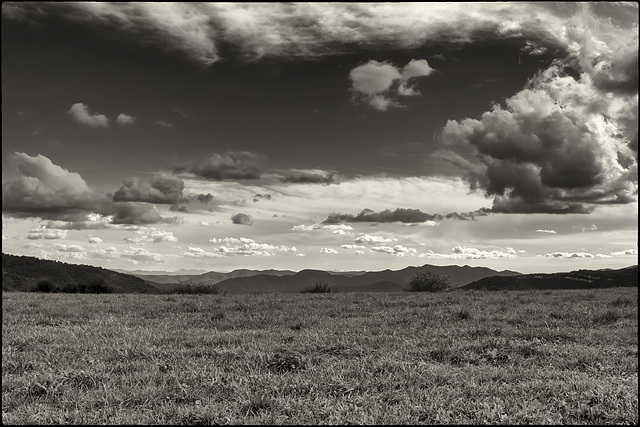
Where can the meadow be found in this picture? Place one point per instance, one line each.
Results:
(458, 357)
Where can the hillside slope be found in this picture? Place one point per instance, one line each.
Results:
(579, 279)
(22, 273)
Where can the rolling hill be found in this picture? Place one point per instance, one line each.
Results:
(579, 279)
(373, 281)
(22, 273)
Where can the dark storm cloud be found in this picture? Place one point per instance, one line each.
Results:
(399, 215)
(302, 177)
(162, 188)
(45, 190)
(230, 165)
(242, 219)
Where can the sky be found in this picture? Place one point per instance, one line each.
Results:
(334, 136)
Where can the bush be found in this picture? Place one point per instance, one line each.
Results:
(319, 288)
(44, 285)
(428, 282)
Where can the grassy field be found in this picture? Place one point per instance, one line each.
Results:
(544, 357)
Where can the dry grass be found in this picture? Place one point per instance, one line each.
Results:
(561, 357)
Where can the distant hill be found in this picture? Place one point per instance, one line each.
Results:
(373, 281)
(211, 277)
(22, 273)
(579, 279)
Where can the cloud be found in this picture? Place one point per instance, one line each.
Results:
(94, 239)
(626, 252)
(140, 214)
(369, 238)
(397, 250)
(196, 252)
(328, 251)
(161, 188)
(245, 246)
(569, 255)
(43, 189)
(567, 142)
(44, 233)
(336, 228)
(81, 114)
(242, 219)
(164, 124)
(259, 197)
(125, 120)
(380, 83)
(399, 215)
(352, 246)
(153, 236)
(546, 231)
(306, 177)
(137, 255)
(204, 198)
(236, 165)
(462, 252)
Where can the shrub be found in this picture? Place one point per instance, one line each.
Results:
(44, 285)
(428, 282)
(319, 288)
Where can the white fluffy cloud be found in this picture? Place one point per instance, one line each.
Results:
(45, 233)
(328, 251)
(462, 252)
(397, 250)
(80, 112)
(125, 120)
(371, 238)
(380, 83)
(546, 231)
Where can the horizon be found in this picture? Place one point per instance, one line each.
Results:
(335, 137)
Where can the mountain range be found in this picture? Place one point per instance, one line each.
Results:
(22, 273)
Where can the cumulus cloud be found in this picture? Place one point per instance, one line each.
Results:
(626, 252)
(380, 83)
(399, 215)
(567, 142)
(245, 246)
(196, 252)
(462, 252)
(335, 228)
(43, 189)
(204, 198)
(125, 120)
(546, 231)
(151, 236)
(46, 233)
(138, 255)
(232, 165)
(161, 188)
(397, 250)
(372, 238)
(328, 251)
(140, 214)
(80, 112)
(94, 239)
(242, 219)
(569, 255)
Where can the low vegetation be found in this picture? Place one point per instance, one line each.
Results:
(458, 357)
(318, 288)
(428, 282)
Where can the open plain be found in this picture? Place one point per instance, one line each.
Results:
(481, 357)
